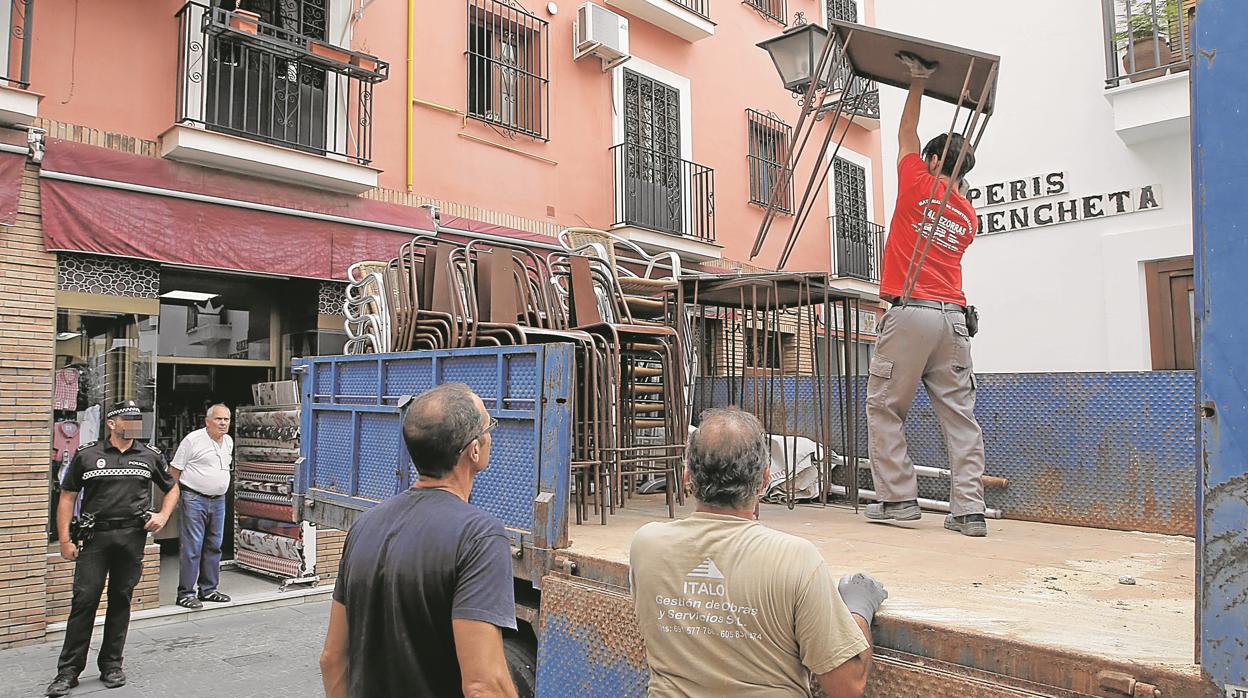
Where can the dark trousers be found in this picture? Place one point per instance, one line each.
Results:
(117, 555)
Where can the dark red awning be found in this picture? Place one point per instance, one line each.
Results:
(90, 204)
(11, 167)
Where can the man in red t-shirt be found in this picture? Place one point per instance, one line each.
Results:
(926, 337)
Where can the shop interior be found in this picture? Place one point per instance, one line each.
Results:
(207, 338)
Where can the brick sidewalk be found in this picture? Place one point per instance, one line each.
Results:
(250, 654)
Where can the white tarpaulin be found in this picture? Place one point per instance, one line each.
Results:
(796, 455)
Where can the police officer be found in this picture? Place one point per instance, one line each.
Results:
(115, 477)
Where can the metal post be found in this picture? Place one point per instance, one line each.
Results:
(1219, 97)
(1108, 18)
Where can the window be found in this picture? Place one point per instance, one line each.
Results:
(762, 349)
(843, 10)
(507, 64)
(771, 9)
(769, 155)
(236, 322)
(1171, 290)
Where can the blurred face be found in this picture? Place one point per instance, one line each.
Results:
(217, 422)
(126, 426)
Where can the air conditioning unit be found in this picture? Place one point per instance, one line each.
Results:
(597, 31)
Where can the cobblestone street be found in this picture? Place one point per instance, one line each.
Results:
(245, 654)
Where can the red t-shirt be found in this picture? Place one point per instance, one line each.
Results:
(940, 278)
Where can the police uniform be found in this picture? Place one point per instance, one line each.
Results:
(116, 489)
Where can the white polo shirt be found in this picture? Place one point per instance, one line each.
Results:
(205, 464)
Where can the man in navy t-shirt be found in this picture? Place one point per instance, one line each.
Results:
(424, 590)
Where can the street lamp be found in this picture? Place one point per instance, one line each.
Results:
(796, 54)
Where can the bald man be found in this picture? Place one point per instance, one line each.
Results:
(728, 606)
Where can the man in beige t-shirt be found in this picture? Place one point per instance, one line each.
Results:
(728, 606)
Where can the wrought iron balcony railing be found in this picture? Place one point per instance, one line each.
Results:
(702, 8)
(15, 58)
(860, 96)
(1145, 39)
(662, 192)
(260, 81)
(858, 243)
(776, 10)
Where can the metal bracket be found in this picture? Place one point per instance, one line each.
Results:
(34, 140)
(606, 64)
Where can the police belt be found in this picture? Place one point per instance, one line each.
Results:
(118, 524)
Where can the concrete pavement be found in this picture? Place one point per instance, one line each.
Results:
(261, 653)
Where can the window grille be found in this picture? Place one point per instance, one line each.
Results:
(770, 140)
(508, 63)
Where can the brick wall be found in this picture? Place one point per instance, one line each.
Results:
(60, 583)
(329, 544)
(27, 328)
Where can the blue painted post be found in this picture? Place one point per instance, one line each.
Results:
(1220, 178)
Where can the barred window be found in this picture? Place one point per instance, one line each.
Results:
(508, 60)
(771, 9)
(769, 154)
(844, 10)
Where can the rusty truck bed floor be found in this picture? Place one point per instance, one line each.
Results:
(1055, 586)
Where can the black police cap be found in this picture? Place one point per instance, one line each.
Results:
(126, 409)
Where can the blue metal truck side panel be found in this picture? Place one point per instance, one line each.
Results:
(1106, 450)
(352, 445)
(1219, 143)
(588, 642)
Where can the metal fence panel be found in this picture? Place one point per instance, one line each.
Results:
(1105, 450)
(352, 445)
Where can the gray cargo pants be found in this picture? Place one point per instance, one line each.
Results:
(932, 345)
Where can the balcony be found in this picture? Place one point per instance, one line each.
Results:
(256, 98)
(857, 244)
(861, 98)
(1148, 53)
(664, 202)
(18, 106)
(688, 19)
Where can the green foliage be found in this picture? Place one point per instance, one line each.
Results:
(1147, 16)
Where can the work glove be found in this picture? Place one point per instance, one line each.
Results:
(862, 595)
(919, 68)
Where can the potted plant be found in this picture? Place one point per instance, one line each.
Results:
(328, 51)
(1144, 36)
(244, 21)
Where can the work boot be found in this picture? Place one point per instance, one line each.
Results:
(968, 525)
(897, 511)
(113, 677)
(61, 685)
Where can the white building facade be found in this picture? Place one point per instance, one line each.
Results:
(1083, 187)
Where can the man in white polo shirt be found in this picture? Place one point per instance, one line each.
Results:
(201, 466)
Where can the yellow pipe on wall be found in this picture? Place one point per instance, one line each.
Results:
(411, 42)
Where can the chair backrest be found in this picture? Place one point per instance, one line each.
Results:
(601, 244)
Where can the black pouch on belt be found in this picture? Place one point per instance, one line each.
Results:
(972, 321)
(82, 528)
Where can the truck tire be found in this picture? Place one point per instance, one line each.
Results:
(521, 658)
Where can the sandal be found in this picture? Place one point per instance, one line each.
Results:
(189, 602)
(215, 597)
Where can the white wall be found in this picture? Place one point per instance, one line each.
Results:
(1065, 297)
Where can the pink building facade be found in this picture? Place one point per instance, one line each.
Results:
(153, 153)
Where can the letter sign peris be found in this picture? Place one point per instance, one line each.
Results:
(1114, 203)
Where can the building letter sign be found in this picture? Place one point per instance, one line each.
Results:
(1025, 212)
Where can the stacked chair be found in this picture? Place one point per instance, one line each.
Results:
(631, 406)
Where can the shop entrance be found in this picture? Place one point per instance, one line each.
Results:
(200, 338)
(219, 335)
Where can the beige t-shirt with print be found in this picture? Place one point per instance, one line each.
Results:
(730, 607)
